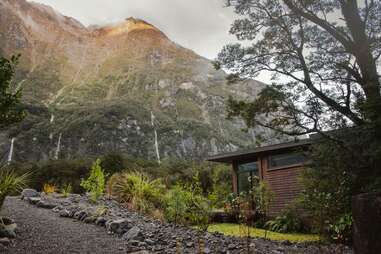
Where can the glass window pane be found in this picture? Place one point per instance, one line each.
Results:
(247, 167)
(287, 159)
(243, 182)
(245, 172)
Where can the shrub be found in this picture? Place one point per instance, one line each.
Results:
(66, 190)
(138, 191)
(11, 183)
(341, 231)
(112, 163)
(287, 222)
(199, 211)
(95, 184)
(48, 188)
(177, 202)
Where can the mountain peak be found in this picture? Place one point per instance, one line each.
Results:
(128, 25)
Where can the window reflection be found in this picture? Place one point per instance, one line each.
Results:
(245, 173)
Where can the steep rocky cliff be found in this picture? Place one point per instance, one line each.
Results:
(120, 88)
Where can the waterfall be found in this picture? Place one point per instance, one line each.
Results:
(58, 147)
(10, 155)
(52, 119)
(156, 143)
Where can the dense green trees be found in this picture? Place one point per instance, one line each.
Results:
(10, 110)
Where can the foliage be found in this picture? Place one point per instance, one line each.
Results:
(48, 188)
(234, 230)
(177, 202)
(66, 190)
(112, 163)
(221, 188)
(287, 222)
(263, 197)
(57, 172)
(11, 183)
(329, 184)
(95, 183)
(186, 205)
(10, 110)
(323, 78)
(138, 191)
(341, 230)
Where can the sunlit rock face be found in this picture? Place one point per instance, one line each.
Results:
(91, 90)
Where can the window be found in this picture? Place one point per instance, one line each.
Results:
(245, 173)
(286, 159)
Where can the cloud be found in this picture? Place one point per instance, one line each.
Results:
(200, 25)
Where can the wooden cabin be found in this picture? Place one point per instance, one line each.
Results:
(280, 165)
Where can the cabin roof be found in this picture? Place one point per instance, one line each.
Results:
(253, 153)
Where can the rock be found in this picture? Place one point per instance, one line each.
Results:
(5, 241)
(90, 219)
(8, 230)
(189, 244)
(80, 215)
(134, 233)
(6, 220)
(286, 242)
(232, 246)
(65, 213)
(33, 200)
(100, 221)
(57, 209)
(150, 241)
(29, 193)
(45, 204)
(207, 251)
(118, 226)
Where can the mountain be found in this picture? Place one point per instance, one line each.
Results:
(123, 88)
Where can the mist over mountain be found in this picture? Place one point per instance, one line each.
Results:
(124, 88)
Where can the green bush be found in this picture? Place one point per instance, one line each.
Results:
(186, 204)
(66, 190)
(287, 222)
(177, 203)
(341, 231)
(11, 183)
(137, 190)
(95, 184)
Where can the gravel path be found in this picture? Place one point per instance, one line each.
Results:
(41, 231)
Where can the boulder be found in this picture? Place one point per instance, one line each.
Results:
(8, 230)
(33, 200)
(366, 209)
(5, 241)
(134, 233)
(65, 213)
(29, 193)
(119, 226)
(100, 221)
(90, 219)
(45, 204)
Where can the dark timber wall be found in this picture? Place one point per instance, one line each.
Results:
(284, 183)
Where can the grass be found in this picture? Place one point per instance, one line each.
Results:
(237, 230)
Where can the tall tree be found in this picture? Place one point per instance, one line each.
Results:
(323, 54)
(10, 110)
(324, 57)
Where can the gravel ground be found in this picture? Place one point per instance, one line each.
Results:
(46, 231)
(41, 231)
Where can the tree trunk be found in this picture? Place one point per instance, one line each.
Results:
(366, 209)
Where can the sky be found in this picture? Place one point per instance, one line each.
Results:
(200, 25)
